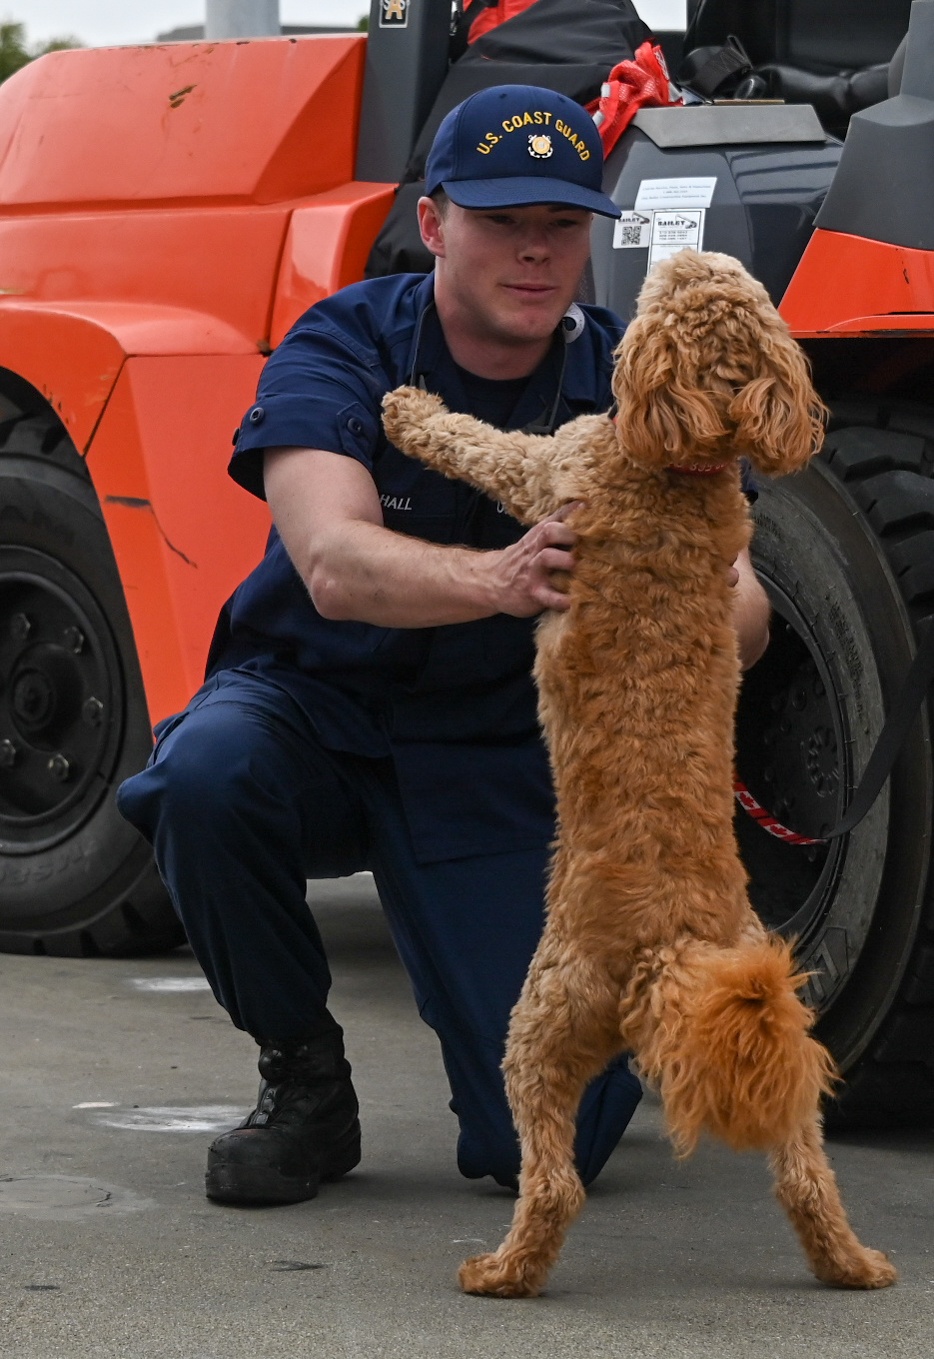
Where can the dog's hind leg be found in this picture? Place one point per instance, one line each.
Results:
(563, 1033)
(806, 1188)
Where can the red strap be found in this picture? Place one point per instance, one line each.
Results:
(767, 821)
(630, 86)
(494, 15)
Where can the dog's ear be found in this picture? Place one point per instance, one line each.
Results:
(708, 371)
(778, 417)
(664, 416)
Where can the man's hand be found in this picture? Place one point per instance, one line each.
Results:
(751, 610)
(523, 577)
(328, 512)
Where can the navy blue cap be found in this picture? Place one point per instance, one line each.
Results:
(514, 145)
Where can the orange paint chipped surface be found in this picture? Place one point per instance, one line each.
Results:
(234, 122)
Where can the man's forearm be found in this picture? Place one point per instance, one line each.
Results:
(363, 572)
(327, 510)
(369, 574)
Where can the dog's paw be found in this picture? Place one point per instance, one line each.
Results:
(864, 1268)
(880, 1272)
(494, 1276)
(405, 410)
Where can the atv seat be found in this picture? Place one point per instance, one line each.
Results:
(833, 54)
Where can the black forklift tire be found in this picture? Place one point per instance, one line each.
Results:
(75, 879)
(846, 551)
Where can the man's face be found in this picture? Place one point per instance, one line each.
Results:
(505, 275)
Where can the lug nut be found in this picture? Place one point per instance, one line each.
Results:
(20, 626)
(92, 712)
(74, 640)
(8, 753)
(59, 768)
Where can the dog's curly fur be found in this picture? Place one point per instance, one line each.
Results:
(650, 943)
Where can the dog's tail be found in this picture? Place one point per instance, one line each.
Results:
(725, 1037)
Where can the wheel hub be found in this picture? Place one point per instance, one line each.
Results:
(789, 756)
(33, 700)
(821, 761)
(801, 766)
(59, 699)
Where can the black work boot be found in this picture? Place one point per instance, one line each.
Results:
(304, 1128)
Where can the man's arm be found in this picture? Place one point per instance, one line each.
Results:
(751, 611)
(326, 508)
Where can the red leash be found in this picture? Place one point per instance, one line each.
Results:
(766, 820)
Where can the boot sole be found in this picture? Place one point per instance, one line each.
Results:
(227, 1182)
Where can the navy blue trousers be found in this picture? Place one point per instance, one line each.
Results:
(242, 804)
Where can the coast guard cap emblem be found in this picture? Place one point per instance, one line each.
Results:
(540, 146)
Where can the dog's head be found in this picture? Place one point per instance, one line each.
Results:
(707, 372)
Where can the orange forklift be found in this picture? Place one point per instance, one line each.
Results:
(166, 214)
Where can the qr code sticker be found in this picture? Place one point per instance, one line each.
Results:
(632, 231)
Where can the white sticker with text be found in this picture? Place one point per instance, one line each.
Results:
(655, 194)
(674, 231)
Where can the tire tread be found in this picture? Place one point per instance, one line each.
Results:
(140, 918)
(886, 463)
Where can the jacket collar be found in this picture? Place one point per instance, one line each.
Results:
(570, 363)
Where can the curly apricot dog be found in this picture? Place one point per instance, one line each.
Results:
(650, 943)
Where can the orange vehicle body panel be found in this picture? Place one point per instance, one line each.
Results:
(73, 353)
(846, 285)
(220, 261)
(248, 122)
(68, 357)
(166, 213)
(181, 530)
(326, 248)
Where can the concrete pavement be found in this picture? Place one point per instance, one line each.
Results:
(117, 1074)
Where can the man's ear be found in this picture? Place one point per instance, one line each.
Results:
(431, 226)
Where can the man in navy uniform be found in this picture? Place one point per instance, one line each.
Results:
(369, 701)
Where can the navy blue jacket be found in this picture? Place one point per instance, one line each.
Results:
(454, 707)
